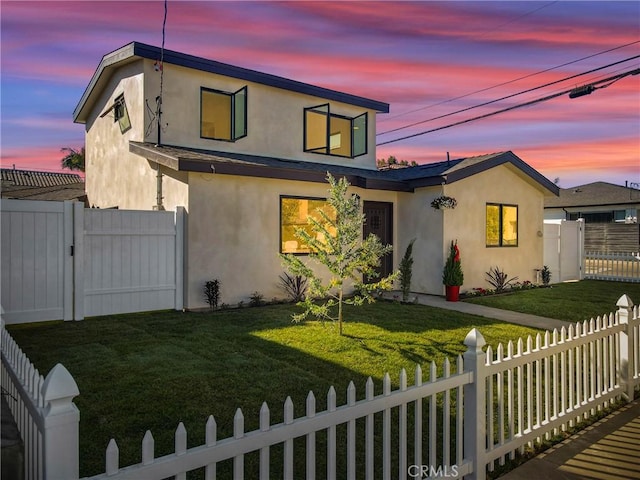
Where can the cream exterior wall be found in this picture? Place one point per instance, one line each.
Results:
(234, 233)
(275, 123)
(417, 220)
(114, 176)
(467, 224)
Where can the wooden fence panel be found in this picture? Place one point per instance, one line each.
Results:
(612, 237)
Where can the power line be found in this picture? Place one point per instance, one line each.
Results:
(511, 81)
(507, 97)
(514, 107)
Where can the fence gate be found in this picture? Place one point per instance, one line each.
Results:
(564, 250)
(36, 260)
(129, 262)
(62, 261)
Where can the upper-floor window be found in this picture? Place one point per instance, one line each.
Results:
(502, 225)
(223, 115)
(120, 113)
(331, 134)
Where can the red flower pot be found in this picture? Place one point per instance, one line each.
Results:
(452, 292)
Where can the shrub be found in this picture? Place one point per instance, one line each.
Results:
(498, 279)
(256, 299)
(452, 273)
(212, 293)
(546, 275)
(406, 265)
(295, 286)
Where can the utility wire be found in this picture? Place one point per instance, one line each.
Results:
(511, 81)
(514, 107)
(507, 97)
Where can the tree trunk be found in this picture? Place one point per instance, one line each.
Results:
(340, 312)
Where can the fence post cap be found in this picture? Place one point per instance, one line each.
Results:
(624, 302)
(58, 390)
(475, 341)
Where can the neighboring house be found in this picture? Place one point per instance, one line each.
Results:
(609, 212)
(598, 202)
(34, 185)
(247, 154)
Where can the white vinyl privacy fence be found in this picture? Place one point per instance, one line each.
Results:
(564, 249)
(476, 413)
(62, 261)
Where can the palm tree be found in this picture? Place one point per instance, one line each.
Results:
(74, 159)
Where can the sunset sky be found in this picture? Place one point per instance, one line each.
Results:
(426, 59)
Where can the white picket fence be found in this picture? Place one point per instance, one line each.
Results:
(62, 261)
(619, 267)
(492, 407)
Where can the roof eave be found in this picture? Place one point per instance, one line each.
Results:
(499, 159)
(184, 164)
(135, 50)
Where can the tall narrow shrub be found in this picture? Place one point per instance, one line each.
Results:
(406, 267)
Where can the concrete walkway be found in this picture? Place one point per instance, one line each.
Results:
(607, 450)
(525, 319)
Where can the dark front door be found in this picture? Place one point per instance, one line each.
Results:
(379, 221)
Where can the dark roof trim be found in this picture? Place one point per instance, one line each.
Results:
(264, 167)
(226, 163)
(129, 52)
(499, 159)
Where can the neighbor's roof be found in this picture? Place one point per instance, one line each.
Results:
(136, 51)
(34, 185)
(401, 179)
(33, 178)
(594, 194)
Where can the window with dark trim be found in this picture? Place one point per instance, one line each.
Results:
(120, 113)
(502, 225)
(294, 213)
(331, 134)
(223, 115)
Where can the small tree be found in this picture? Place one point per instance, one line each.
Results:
(406, 266)
(339, 247)
(452, 273)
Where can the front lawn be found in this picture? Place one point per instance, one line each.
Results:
(151, 371)
(573, 301)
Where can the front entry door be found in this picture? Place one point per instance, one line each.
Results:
(379, 221)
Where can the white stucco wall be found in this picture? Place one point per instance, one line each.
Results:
(275, 116)
(115, 177)
(234, 233)
(467, 224)
(417, 220)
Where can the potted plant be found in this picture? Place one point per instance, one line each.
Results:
(452, 276)
(443, 201)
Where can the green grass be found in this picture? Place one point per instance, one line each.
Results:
(574, 301)
(153, 370)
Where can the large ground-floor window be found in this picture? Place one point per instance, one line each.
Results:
(294, 212)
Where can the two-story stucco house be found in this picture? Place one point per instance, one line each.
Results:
(247, 154)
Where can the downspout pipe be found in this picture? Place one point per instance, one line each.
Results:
(159, 205)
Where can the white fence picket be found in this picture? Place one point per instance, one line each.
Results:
(615, 266)
(565, 377)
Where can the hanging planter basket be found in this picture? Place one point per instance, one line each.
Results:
(442, 202)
